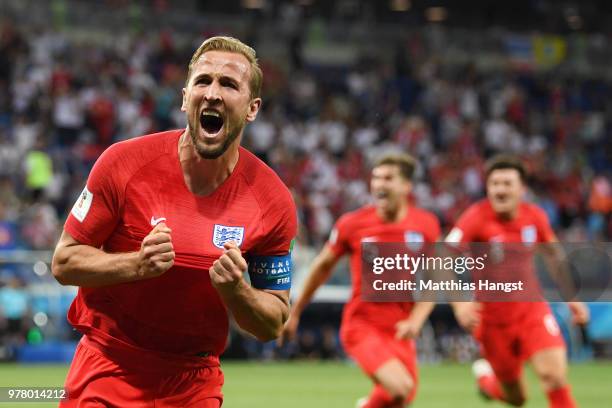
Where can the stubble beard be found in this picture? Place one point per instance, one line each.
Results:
(208, 152)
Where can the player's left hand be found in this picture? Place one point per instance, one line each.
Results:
(407, 329)
(226, 273)
(580, 313)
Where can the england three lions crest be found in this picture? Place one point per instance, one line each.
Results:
(224, 233)
(414, 240)
(529, 234)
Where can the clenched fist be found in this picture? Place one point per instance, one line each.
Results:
(580, 313)
(407, 329)
(467, 315)
(226, 273)
(156, 253)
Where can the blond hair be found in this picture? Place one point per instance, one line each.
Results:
(231, 44)
(406, 163)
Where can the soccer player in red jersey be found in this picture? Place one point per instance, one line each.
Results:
(379, 336)
(511, 333)
(160, 238)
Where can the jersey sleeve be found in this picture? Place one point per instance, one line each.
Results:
(545, 231)
(466, 228)
(270, 263)
(280, 229)
(338, 237)
(97, 210)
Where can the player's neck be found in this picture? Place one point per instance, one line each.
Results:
(204, 176)
(393, 214)
(508, 216)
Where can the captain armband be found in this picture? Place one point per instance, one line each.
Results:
(270, 271)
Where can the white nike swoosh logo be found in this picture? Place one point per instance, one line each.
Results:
(155, 221)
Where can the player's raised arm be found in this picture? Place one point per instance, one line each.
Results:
(79, 264)
(320, 271)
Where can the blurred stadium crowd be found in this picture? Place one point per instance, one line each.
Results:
(65, 97)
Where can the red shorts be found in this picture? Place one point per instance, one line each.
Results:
(507, 347)
(96, 379)
(371, 347)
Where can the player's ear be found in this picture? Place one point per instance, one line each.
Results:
(254, 106)
(184, 103)
(407, 186)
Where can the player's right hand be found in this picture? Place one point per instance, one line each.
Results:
(407, 329)
(580, 313)
(156, 253)
(467, 314)
(289, 330)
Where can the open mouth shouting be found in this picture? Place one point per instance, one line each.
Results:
(381, 194)
(211, 122)
(215, 134)
(501, 198)
(382, 197)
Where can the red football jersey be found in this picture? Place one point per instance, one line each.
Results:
(135, 184)
(479, 223)
(364, 225)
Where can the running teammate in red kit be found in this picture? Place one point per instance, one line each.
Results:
(160, 238)
(512, 333)
(379, 336)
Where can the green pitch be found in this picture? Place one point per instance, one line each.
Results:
(322, 385)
